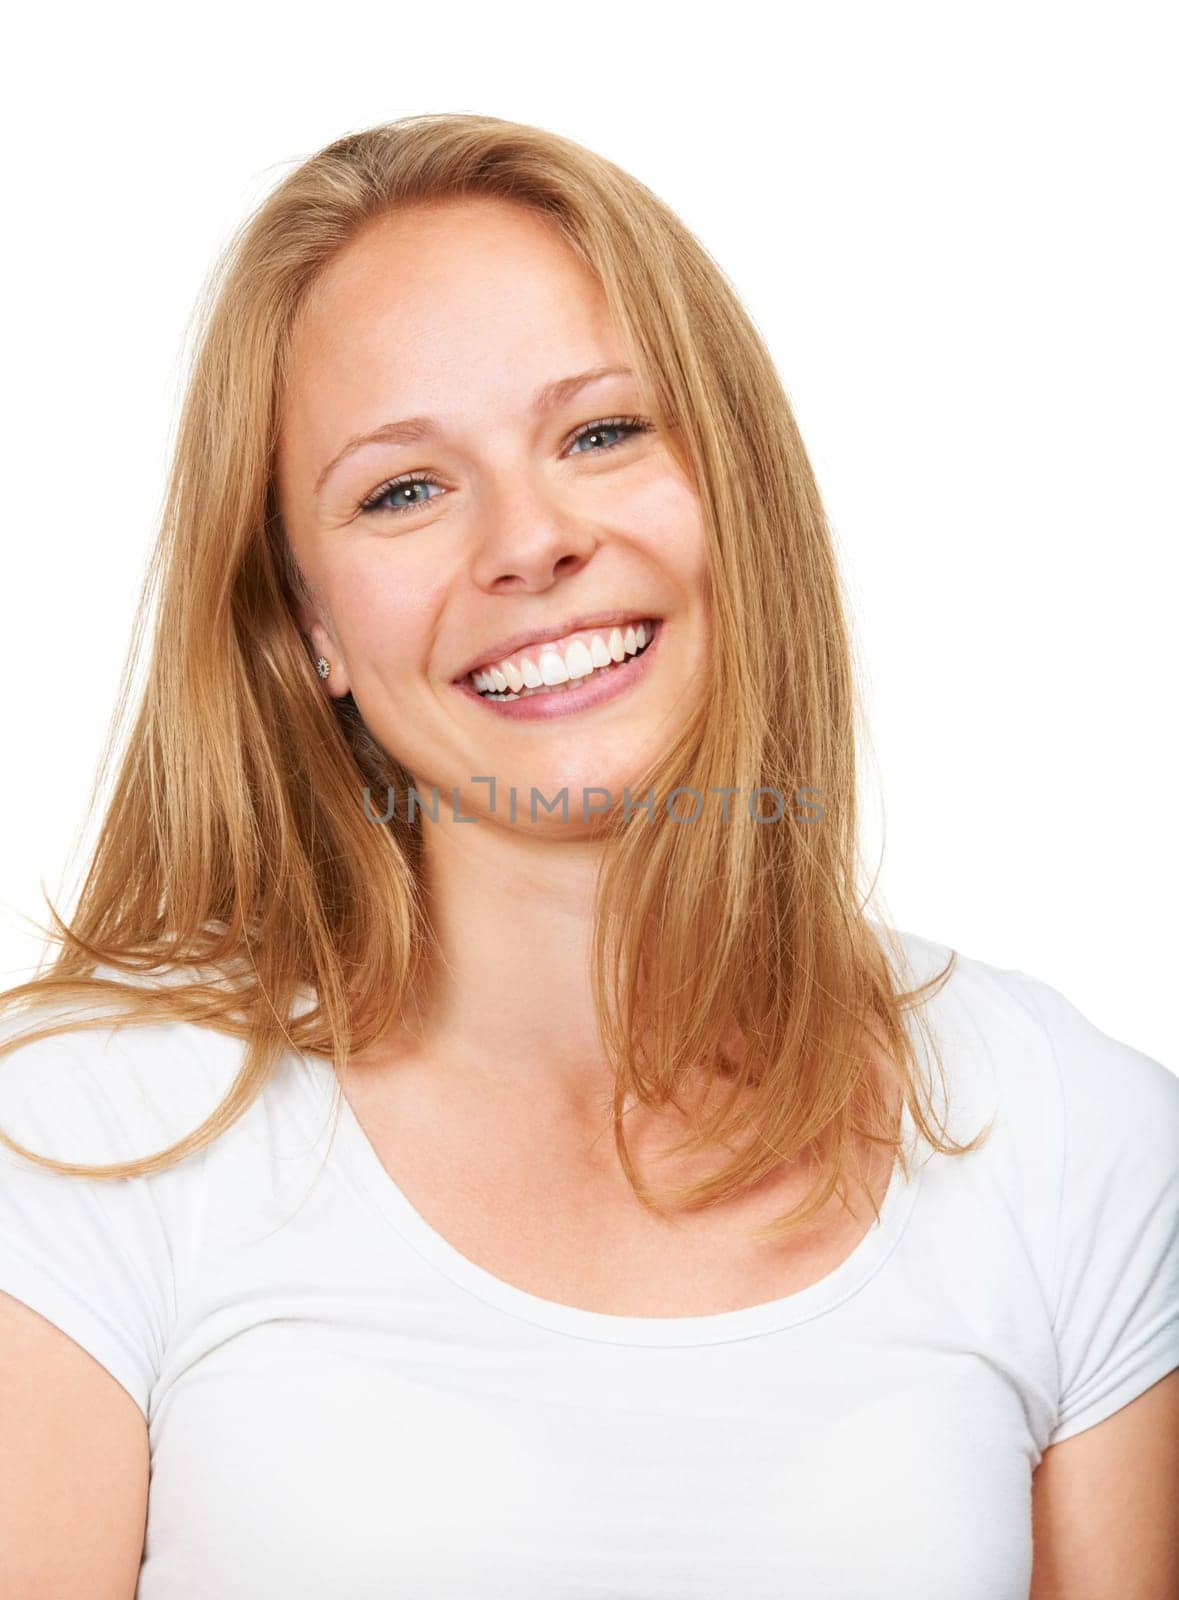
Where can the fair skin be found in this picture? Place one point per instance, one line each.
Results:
(462, 315)
(1105, 1505)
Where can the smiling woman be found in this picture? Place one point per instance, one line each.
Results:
(498, 497)
(513, 1200)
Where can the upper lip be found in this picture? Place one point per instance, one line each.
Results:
(534, 636)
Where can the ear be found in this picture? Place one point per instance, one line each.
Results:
(337, 682)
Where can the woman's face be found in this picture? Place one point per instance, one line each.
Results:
(509, 521)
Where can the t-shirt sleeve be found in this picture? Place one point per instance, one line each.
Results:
(95, 1256)
(1114, 1277)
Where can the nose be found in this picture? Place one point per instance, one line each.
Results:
(527, 538)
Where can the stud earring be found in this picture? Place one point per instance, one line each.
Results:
(323, 666)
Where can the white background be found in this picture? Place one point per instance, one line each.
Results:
(953, 225)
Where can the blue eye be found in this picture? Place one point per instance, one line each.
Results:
(410, 480)
(627, 426)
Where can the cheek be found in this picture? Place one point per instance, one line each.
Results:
(670, 521)
(386, 617)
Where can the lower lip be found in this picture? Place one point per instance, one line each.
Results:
(593, 690)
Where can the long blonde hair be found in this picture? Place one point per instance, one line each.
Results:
(235, 855)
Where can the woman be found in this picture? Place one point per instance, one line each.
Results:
(438, 1187)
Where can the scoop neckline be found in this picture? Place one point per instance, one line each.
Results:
(364, 1167)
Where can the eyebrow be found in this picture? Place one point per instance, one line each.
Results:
(415, 430)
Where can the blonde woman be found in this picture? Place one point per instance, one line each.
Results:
(418, 1183)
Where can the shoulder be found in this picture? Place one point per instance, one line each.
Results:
(1079, 1119)
(103, 1258)
(1042, 1054)
(113, 1260)
(1084, 1159)
(129, 1089)
(113, 1092)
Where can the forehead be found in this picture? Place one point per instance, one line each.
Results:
(464, 292)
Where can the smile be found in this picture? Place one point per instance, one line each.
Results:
(552, 680)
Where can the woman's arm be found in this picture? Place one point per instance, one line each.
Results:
(74, 1465)
(1105, 1506)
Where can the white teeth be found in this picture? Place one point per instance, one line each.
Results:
(552, 669)
(509, 678)
(578, 661)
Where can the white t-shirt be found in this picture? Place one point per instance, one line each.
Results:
(339, 1402)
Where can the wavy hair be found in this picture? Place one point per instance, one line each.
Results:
(235, 859)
